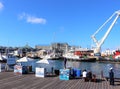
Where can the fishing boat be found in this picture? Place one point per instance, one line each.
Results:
(116, 54)
(71, 55)
(112, 58)
(81, 59)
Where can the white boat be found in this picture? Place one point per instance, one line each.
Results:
(3, 58)
(70, 55)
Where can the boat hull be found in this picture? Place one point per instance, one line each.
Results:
(88, 60)
(83, 59)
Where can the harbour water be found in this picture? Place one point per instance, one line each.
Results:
(95, 67)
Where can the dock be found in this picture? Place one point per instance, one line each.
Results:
(9, 80)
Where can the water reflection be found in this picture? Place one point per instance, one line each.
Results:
(73, 64)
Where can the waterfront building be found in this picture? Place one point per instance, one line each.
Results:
(107, 52)
(53, 50)
(44, 47)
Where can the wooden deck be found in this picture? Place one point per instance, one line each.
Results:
(8, 80)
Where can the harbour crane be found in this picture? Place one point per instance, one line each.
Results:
(97, 49)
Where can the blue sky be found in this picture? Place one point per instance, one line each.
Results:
(47, 21)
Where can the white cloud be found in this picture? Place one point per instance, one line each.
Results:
(1, 6)
(32, 19)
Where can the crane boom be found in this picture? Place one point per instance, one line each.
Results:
(103, 25)
(99, 43)
(108, 31)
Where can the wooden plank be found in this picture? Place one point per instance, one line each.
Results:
(28, 81)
